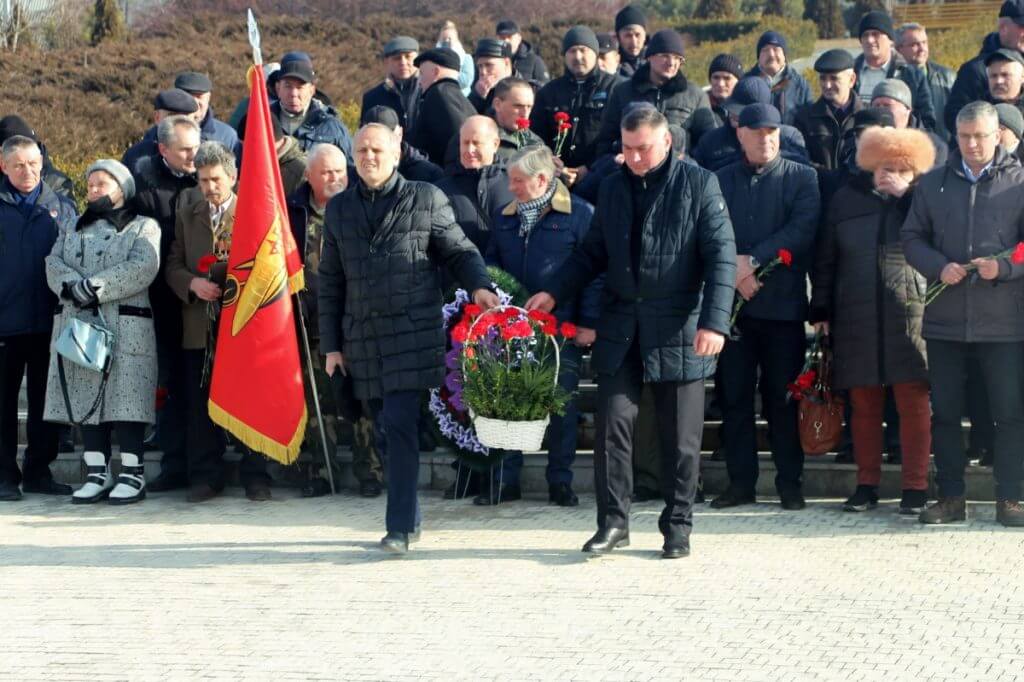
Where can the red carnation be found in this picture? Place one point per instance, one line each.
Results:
(561, 117)
(460, 333)
(522, 124)
(1018, 254)
(806, 380)
(568, 330)
(540, 316)
(472, 309)
(205, 263)
(786, 257)
(562, 127)
(549, 328)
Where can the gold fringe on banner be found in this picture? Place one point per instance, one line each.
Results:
(285, 454)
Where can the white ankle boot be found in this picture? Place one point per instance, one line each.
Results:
(131, 483)
(98, 481)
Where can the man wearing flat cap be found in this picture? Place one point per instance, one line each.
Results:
(172, 102)
(211, 129)
(493, 61)
(971, 80)
(789, 89)
(305, 118)
(608, 57)
(1005, 71)
(631, 32)
(526, 62)
(825, 122)
(659, 81)
(880, 60)
(1011, 130)
(400, 90)
(442, 108)
(582, 92)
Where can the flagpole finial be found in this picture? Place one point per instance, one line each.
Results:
(254, 39)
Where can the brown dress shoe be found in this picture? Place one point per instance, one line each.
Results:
(1010, 513)
(257, 491)
(946, 510)
(202, 492)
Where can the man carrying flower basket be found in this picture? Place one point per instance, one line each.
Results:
(532, 238)
(380, 304)
(964, 223)
(661, 236)
(774, 206)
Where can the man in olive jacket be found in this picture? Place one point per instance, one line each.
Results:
(662, 237)
(963, 216)
(380, 303)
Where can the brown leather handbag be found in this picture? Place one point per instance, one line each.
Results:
(821, 410)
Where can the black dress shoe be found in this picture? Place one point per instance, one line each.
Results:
(642, 494)
(792, 500)
(509, 493)
(202, 492)
(676, 548)
(732, 498)
(9, 492)
(562, 495)
(258, 491)
(45, 486)
(166, 482)
(371, 488)
(607, 539)
(395, 542)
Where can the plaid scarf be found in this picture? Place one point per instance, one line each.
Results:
(529, 211)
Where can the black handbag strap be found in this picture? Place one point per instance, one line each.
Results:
(67, 399)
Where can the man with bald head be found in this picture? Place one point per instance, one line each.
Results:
(384, 240)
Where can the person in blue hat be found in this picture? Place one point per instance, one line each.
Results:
(789, 89)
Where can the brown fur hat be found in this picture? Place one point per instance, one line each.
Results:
(902, 148)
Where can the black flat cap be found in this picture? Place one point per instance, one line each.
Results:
(442, 56)
(873, 116)
(193, 81)
(491, 47)
(12, 125)
(1013, 9)
(1004, 54)
(607, 42)
(834, 61)
(176, 101)
(760, 116)
(506, 27)
(381, 114)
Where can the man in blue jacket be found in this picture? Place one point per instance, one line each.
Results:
(31, 215)
(306, 119)
(789, 89)
(774, 204)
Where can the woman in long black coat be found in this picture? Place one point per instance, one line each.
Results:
(870, 301)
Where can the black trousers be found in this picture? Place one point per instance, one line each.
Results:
(18, 354)
(205, 440)
(1002, 372)
(679, 412)
(171, 420)
(776, 348)
(130, 437)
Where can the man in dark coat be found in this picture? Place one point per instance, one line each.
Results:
(631, 32)
(493, 61)
(31, 217)
(721, 147)
(880, 60)
(825, 122)
(966, 214)
(789, 89)
(660, 81)
(1011, 130)
(912, 43)
(724, 72)
(662, 237)
(380, 304)
(1005, 71)
(59, 182)
(160, 180)
(413, 165)
(172, 102)
(301, 115)
(525, 61)
(400, 90)
(443, 108)
(971, 82)
(774, 206)
(582, 92)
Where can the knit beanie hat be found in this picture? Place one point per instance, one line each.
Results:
(727, 63)
(580, 35)
(876, 20)
(894, 88)
(630, 15)
(772, 38)
(666, 41)
(117, 170)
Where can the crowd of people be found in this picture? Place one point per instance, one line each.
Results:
(626, 198)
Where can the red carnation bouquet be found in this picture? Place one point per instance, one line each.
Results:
(1016, 256)
(562, 128)
(522, 126)
(782, 257)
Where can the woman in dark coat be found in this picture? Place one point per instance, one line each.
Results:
(870, 301)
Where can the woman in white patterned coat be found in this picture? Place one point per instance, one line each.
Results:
(101, 271)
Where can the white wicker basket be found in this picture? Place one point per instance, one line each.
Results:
(509, 435)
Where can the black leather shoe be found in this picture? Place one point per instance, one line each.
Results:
(562, 495)
(9, 492)
(509, 493)
(395, 542)
(202, 492)
(607, 539)
(166, 482)
(45, 486)
(258, 491)
(732, 498)
(642, 494)
(792, 500)
(676, 548)
(371, 488)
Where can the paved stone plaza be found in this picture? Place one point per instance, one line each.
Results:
(295, 589)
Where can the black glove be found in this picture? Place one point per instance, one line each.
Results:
(84, 294)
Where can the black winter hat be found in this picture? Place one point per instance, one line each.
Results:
(580, 35)
(442, 56)
(760, 116)
(506, 27)
(607, 43)
(772, 38)
(630, 15)
(176, 101)
(381, 114)
(666, 41)
(834, 61)
(193, 81)
(727, 63)
(878, 21)
(12, 125)
(1013, 9)
(873, 116)
(491, 47)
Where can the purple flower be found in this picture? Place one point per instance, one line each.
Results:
(452, 359)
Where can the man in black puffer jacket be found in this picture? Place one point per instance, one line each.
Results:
(380, 303)
(659, 81)
(662, 237)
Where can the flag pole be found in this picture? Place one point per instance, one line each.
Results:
(328, 460)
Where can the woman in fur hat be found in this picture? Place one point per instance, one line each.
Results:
(871, 303)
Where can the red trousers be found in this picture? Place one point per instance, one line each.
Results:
(868, 404)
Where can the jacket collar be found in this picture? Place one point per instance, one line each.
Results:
(642, 81)
(1000, 162)
(47, 198)
(561, 202)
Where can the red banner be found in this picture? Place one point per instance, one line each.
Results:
(256, 390)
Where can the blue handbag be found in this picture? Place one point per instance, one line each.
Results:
(89, 345)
